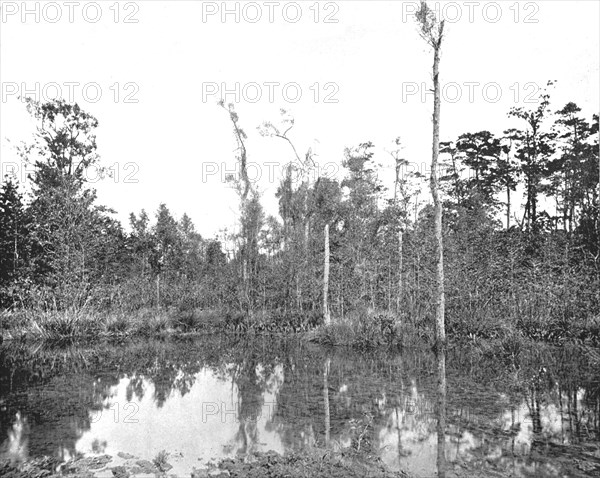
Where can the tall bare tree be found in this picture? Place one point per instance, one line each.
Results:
(302, 168)
(326, 313)
(431, 29)
(243, 186)
(400, 202)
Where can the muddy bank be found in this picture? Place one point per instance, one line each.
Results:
(322, 463)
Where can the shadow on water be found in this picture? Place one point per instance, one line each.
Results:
(460, 414)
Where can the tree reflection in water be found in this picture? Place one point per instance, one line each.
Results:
(441, 412)
(326, 401)
(538, 413)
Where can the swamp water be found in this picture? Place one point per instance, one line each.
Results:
(519, 414)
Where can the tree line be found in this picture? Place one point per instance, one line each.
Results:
(60, 249)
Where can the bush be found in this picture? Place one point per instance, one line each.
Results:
(117, 325)
(152, 322)
(197, 319)
(368, 330)
(59, 325)
(272, 322)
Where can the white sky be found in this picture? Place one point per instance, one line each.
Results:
(370, 53)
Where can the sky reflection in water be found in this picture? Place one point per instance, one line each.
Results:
(204, 401)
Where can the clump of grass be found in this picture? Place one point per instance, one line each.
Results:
(511, 346)
(272, 322)
(236, 321)
(367, 330)
(592, 327)
(197, 319)
(60, 325)
(117, 325)
(82, 323)
(157, 323)
(160, 461)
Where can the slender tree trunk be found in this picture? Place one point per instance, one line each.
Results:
(571, 214)
(389, 284)
(15, 253)
(245, 284)
(298, 292)
(343, 290)
(396, 183)
(372, 287)
(158, 291)
(400, 267)
(534, 208)
(565, 208)
(439, 245)
(306, 232)
(507, 208)
(326, 315)
(526, 213)
(457, 186)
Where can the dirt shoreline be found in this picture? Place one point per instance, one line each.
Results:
(317, 463)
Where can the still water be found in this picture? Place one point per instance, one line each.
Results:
(524, 413)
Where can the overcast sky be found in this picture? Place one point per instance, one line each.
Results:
(348, 71)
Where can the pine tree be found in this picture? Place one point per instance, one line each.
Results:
(14, 239)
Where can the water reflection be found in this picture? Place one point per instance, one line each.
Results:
(441, 412)
(213, 419)
(212, 398)
(326, 401)
(17, 443)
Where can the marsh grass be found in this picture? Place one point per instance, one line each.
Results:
(61, 325)
(117, 324)
(272, 322)
(197, 319)
(361, 329)
(160, 461)
(370, 329)
(73, 324)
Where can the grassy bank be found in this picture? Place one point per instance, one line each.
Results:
(371, 329)
(87, 323)
(82, 324)
(364, 330)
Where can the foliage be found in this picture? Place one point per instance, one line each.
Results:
(68, 268)
(300, 465)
